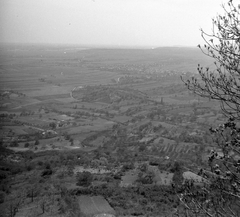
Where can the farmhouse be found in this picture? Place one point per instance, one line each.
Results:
(196, 179)
(62, 118)
(104, 215)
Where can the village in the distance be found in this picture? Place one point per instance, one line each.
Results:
(94, 131)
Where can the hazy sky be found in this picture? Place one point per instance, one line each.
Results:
(107, 22)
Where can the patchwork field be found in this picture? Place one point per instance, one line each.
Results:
(120, 120)
(94, 205)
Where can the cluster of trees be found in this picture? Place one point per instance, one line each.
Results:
(27, 113)
(39, 177)
(6, 116)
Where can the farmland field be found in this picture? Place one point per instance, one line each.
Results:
(94, 205)
(102, 88)
(120, 118)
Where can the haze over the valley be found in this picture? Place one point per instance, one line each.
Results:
(107, 22)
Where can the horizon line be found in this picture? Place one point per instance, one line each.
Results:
(98, 45)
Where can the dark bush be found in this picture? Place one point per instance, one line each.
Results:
(26, 145)
(84, 178)
(2, 197)
(3, 175)
(46, 172)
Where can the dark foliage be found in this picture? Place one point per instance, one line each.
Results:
(220, 194)
(84, 178)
